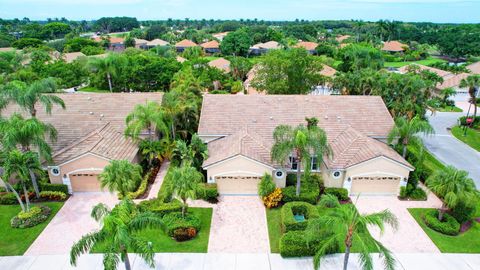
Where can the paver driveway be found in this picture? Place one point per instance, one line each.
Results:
(410, 237)
(239, 225)
(70, 223)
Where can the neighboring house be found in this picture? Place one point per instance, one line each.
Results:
(140, 43)
(181, 59)
(8, 49)
(394, 47)
(211, 47)
(239, 133)
(342, 38)
(70, 57)
(449, 79)
(325, 89)
(247, 84)
(184, 44)
(309, 46)
(220, 63)
(156, 43)
(90, 135)
(262, 48)
(474, 68)
(116, 43)
(220, 36)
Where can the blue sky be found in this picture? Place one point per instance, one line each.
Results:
(373, 10)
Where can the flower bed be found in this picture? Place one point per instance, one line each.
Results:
(35, 216)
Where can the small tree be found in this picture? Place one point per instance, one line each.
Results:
(407, 131)
(452, 186)
(266, 185)
(184, 183)
(472, 82)
(120, 227)
(121, 176)
(150, 117)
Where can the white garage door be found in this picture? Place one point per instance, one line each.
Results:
(237, 184)
(375, 185)
(85, 182)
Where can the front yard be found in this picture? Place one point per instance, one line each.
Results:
(425, 62)
(17, 241)
(472, 138)
(274, 221)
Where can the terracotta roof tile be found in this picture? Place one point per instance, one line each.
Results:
(70, 57)
(393, 46)
(453, 81)
(220, 63)
(210, 45)
(267, 45)
(328, 71)
(439, 72)
(157, 42)
(474, 68)
(340, 39)
(309, 46)
(186, 43)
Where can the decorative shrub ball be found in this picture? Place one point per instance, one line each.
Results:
(449, 225)
(184, 234)
(35, 216)
(174, 221)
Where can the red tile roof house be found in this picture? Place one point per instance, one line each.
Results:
(262, 48)
(394, 47)
(309, 46)
(220, 63)
(238, 130)
(90, 135)
(182, 45)
(211, 47)
(116, 43)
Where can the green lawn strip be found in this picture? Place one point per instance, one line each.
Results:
(274, 222)
(472, 138)
(163, 243)
(14, 241)
(90, 89)
(468, 242)
(449, 109)
(425, 62)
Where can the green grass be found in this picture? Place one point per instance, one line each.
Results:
(164, 243)
(468, 242)
(15, 241)
(210, 58)
(93, 90)
(449, 109)
(425, 62)
(472, 138)
(274, 221)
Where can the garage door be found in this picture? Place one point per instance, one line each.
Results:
(237, 184)
(375, 185)
(85, 182)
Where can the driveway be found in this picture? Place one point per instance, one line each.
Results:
(239, 225)
(410, 237)
(70, 224)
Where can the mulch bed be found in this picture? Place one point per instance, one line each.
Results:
(151, 180)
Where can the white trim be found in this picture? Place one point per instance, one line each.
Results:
(82, 170)
(233, 157)
(382, 157)
(81, 156)
(376, 173)
(235, 172)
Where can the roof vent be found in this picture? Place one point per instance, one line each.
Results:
(271, 117)
(326, 117)
(91, 113)
(101, 115)
(338, 117)
(89, 98)
(254, 121)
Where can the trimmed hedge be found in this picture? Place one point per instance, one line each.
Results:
(175, 221)
(33, 218)
(463, 211)
(140, 190)
(53, 195)
(340, 193)
(54, 187)
(448, 226)
(309, 192)
(290, 209)
(209, 193)
(159, 207)
(295, 244)
(8, 199)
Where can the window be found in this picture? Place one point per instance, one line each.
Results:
(336, 174)
(314, 164)
(293, 162)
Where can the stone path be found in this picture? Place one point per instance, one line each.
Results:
(158, 180)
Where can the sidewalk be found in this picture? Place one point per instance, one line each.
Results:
(222, 261)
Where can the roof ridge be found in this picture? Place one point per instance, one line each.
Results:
(358, 136)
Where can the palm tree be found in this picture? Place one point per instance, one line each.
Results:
(120, 227)
(184, 183)
(346, 226)
(149, 116)
(108, 65)
(192, 154)
(181, 107)
(21, 164)
(303, 143)
(447, 93)
(472, 82)
(406, 131)
(451, 185)
(121, 176)
(28, 96)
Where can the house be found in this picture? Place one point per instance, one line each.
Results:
(182, 45)
(309, 46)
(220, 63)
(262, 48)
(342, 38)
(247, 84)
(211, 47)
(220, 36)
(90, 135)
(325, 89)
(70, 57)
(115, 43)
(140, 43)
(449, 79)
(474, 68)
(156, 43)
(238, 130)
(180, 59)
(394, 47)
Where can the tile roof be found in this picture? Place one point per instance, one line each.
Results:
(220, 63)
(157, 42)
(474, 68)
(186, 43)
(139, 41)
(347, 120)
(341, 38)
(210, 45)
(453, 81)
(92, 121)
(220, 35)
(309, 46)
(70, 57)
(439, 72)
(114, 40)
(328, 71)
(248, 82)
(267, 45)
(180, 59)
(394, 46)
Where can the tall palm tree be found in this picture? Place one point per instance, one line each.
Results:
(108, 65)
(21, 164)
(473, 83)
(301, 142)
(180, 104)
(184, 183)
(27, 134)
(121, 176)
(447, 93)
(119, 230)
(346, 227)
(149, 116)
(451, 185)
(407, 131)
(29, 96)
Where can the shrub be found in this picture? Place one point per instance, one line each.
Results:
(340, 193)
(209, 193)
(2, 189)
(329, 201)
(418, 194)
(297, 208)
(273, 199)
(266, 185)
(291, 179)
(295, 244)
(53, 195)
(32, 218)
(54, 187)
(184, 234)
(175, 221)
(140, 190)
(449, 225)
(403, 192)
(8, 199)
(159, 207)
(463, 211)
(463, 121)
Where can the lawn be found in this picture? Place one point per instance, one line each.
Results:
(16, 241)
(274, 221)
(472, 138)
(164, 243)
(468, 242)
(425, 62)
(93, 90)
(449, 109)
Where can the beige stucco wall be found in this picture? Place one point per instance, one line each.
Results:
(86, 163)
(380, 167)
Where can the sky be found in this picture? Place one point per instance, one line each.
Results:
(449, 11)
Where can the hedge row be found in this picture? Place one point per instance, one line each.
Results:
(300, 208)
(296, 244)
(449, 225)
(54, 187)
(159, 207)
